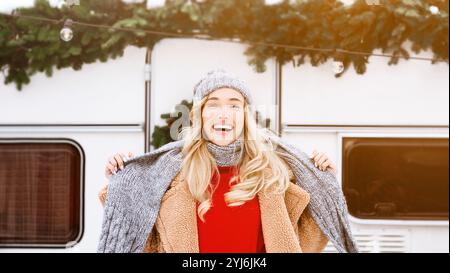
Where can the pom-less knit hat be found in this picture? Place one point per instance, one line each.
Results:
(219, 78)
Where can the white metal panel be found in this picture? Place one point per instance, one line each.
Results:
(430, 239)
(307, 142)
(178, 64)
(411, 93)
(379, 241)
(385, 239)
(111, 92)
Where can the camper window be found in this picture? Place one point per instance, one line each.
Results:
(40, 193)
(396, 178)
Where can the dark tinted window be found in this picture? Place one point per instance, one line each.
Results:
(40, 188)
(396, 178)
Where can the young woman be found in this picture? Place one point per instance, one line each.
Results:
(227, 186)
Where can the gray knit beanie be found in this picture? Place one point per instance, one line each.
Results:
(219, 78)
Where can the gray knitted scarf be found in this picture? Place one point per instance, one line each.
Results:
(135, 193)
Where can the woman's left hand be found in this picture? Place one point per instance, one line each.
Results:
(322, 162)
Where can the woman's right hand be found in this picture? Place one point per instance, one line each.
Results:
(116, 163)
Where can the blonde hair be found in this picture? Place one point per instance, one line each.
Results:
(260, 167)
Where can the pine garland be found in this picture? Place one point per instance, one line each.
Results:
(29, 46)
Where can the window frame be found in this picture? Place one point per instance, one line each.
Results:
(386, 134)
(81, 152)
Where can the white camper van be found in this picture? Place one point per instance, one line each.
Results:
(386, 129)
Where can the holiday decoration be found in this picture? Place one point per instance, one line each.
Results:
(66, 33)
(289, 31)
(338, 67)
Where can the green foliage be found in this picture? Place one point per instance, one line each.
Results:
(29, 46)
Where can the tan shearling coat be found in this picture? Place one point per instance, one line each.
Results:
(286, 223)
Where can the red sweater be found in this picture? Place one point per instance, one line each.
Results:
(230, 229)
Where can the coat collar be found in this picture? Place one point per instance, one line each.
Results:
(280, 213)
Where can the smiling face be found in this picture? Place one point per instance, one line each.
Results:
(223, 116)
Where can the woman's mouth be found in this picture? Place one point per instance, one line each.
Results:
(222, 129)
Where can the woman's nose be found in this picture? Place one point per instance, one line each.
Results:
(224, 113)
